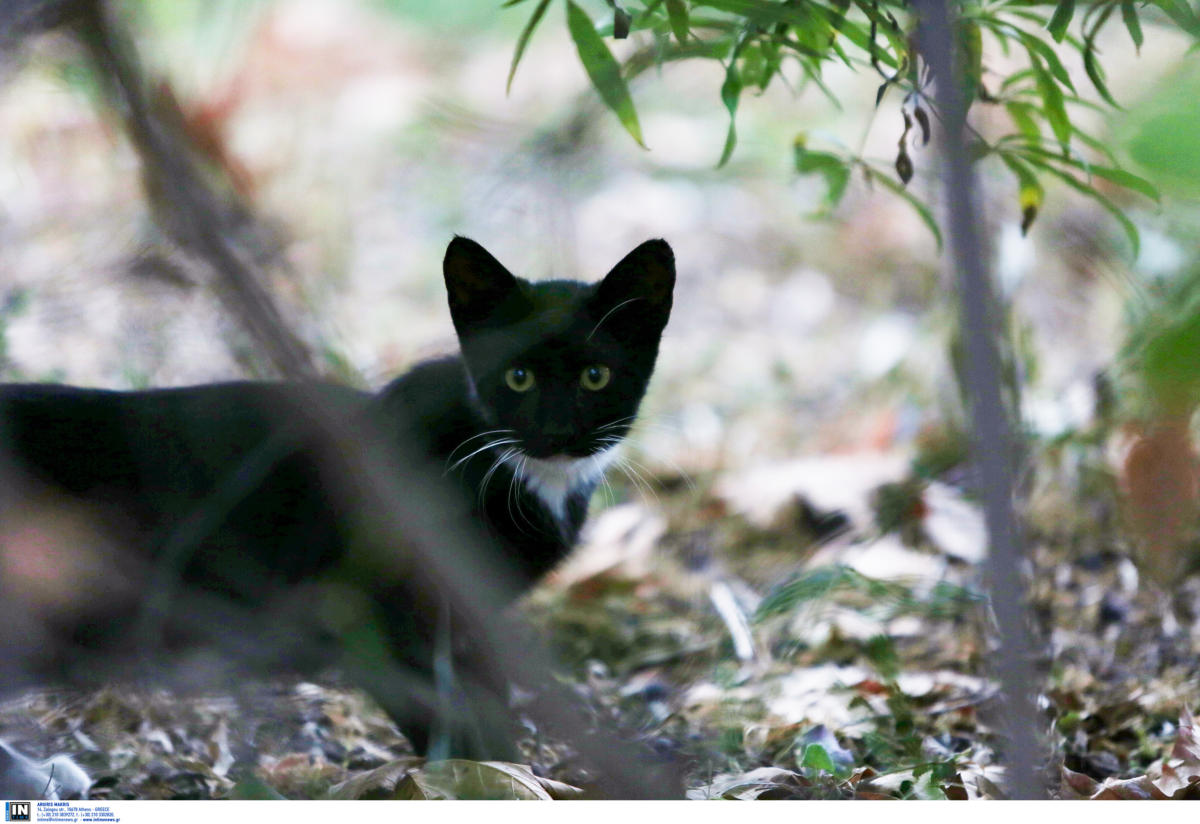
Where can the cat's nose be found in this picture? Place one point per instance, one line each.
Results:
(550, 440)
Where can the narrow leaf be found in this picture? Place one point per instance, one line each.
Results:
(834, 170)
(1128, 180)
(1180, 12)
(1132, 23)
(677, 13)
(1061, 19)
(731, 91)
(1032, 44)
(1052, 104)
(1095, 73)
(1022, 115)
(523, 40)
(764, 12)
(603, 70)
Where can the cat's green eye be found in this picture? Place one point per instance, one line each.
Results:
(519, 379)
(595, 377)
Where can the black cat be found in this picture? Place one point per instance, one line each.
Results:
(161, 525)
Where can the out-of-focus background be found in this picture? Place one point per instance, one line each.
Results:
(806, 383)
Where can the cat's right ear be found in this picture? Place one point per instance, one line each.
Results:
(477, 284)
(635, 297)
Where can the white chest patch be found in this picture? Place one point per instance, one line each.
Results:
(553, 480)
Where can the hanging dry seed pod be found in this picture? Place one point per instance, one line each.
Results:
(923, 122)
(904, 164)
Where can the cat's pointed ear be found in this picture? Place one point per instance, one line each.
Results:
(636, 294)
(477, 284)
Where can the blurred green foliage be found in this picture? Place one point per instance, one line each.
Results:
(1163, 137)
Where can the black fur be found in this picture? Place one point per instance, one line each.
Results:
(213, 508)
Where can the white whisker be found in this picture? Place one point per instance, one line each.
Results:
(487, 477)
(484, 448)
(606, 314)
(520, 474)
(641, 484)
(450, 457)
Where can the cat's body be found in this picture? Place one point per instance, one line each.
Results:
(158, 523)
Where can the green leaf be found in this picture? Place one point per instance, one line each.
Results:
(832, 168)
(1022, 115)
(1052, 104)
(815, 757)
(1095, 73)
(1132, 23)
(1181, 13)
(1061, 19)
(1032, 45)
(523, 40)
(677, 13)
(731, 91)
(764, 12)
(603, 70)
(1111, 174)
(923, 211)
(1128, 180)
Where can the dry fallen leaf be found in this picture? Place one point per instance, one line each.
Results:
(377, 783)
(487, 780)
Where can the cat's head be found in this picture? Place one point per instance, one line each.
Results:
(560, 364)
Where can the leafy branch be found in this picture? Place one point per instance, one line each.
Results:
(756, 40)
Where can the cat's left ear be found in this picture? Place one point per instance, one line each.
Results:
(636, 294)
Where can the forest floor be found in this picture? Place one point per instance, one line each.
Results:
(759, 628)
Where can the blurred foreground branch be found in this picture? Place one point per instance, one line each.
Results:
(215, 226)
(994, 444)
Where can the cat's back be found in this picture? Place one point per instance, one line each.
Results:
(430, 404)
(82, 440)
